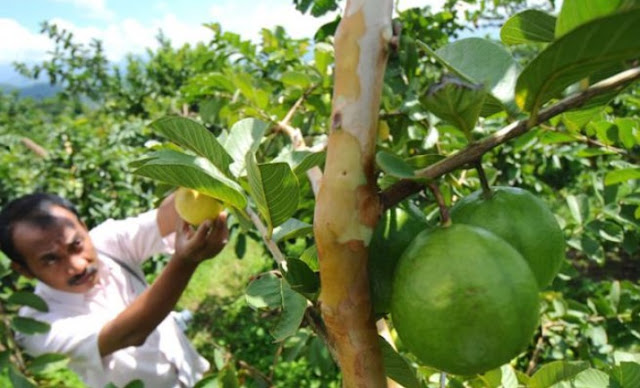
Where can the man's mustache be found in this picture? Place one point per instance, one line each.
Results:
(90, 270)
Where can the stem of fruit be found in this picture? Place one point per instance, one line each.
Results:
(486, 189)
(445, 220)
(347, 206)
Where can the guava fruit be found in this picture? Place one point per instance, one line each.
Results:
(393, 233)
(522, 220)
(464, 301)
(195, 207)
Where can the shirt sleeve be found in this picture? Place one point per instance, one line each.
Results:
(133, 239)
(76, 337)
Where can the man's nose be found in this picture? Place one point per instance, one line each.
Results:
(76, 264)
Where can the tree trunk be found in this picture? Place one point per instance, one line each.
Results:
(347, 207)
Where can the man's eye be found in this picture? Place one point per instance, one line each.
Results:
(48, 260)
(77, 243)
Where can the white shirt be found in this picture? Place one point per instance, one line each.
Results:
(166, 359)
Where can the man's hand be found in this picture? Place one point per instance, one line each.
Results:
(203, 243)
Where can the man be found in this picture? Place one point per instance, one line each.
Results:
(102, 315)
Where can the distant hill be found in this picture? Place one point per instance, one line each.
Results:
(36, 91)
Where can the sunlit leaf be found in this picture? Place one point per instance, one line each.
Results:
(620, 176)
(274, 188)
(291, 228)
(244, 137)
(528, 26)
(481, 61)
(555, 372)
(583, 51)
(192, 135)
(193, 172)
(577, 12)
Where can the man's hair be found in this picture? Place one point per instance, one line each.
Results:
(32, 208)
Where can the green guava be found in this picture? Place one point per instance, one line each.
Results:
(393, 233)
(464, 301)
(521, 219)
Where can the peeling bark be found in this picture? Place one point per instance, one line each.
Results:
(347, 207)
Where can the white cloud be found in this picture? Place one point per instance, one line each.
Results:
(249, 20)
(96, 8)
(24, 45)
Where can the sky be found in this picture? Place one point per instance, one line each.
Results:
(130, 26)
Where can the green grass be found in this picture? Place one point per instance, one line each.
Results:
(225, 276)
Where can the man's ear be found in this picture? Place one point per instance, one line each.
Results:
(22, 269)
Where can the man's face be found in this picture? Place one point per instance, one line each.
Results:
(60, 254)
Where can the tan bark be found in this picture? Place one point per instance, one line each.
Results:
(347, 206)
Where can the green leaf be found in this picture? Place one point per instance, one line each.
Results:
(26, 298)
(576, 119)
(291, 228)
(18, 380)
(528, 26)
(274, 188)
(587, 49)
(591, 378)
(396, 367)
(304, 160)
(620, 176)
(228, 377)
(577, 12)
(192, 135)
(296, 78)
(241, 245)
(481, 61)
(293, 308)
(244, 137)
(264, 292)
(394, 165)
(457, 102)
(579, 207)
(48, 363)
(555, 372)
(504, 377)
(310, 256)
(323, 57)
(301, 278)
(137, 383)
(627, 374)
(194, 172)
(29, 325)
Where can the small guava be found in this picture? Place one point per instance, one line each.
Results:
(195, 207)
(393, 233)
(521, 219)
(464, 301)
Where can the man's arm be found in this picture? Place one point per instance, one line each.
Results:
(167, 216)
(132, 326)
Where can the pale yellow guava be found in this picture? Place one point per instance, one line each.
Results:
(195, 207)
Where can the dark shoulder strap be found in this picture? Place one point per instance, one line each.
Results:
(131, 271)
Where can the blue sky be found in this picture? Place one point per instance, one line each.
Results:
(130, 26)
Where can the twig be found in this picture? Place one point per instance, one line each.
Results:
(271, 245)
(533, 362)
(474, 151)
(445, 220)
(34, 147)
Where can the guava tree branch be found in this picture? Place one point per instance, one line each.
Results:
(277, 254)
(474, 151)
